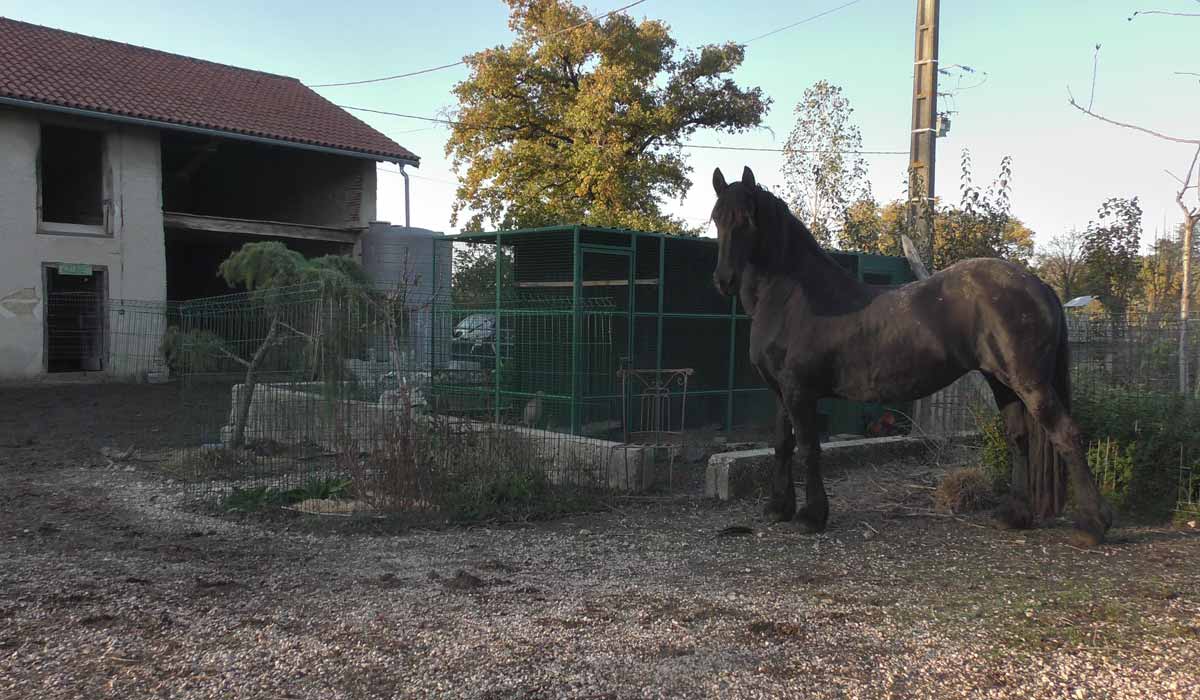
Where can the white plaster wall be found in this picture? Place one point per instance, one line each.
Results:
(133, 256)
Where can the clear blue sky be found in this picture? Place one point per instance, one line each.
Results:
(1065, 163)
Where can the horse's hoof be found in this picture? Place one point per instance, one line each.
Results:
(811, 521)
(1091, 530)
(1106, 514)
(1015, 514)
(1087, 535)
(779, 511)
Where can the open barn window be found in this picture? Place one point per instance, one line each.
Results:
(72, 182)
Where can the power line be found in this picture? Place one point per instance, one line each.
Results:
(435, 120)
(572, 28)
(419, 177)
(802, 21)
(792, 150)
(451, 122)
(461, 62)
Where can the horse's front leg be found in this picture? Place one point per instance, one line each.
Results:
(815, 514)
(782, 505)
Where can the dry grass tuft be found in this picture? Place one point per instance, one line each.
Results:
(964, 490)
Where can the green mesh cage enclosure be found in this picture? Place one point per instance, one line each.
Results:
(539, 321)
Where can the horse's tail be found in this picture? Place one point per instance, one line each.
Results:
(1047, 474)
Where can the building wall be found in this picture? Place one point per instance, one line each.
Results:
(132, 255)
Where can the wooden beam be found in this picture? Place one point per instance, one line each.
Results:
(252, 227)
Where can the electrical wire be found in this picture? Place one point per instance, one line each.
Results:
(802, 21)
(434, 69)
(415, 175)
(451, 122)
(791, 150)
(572, 28)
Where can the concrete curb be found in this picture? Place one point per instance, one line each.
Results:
(732, 475)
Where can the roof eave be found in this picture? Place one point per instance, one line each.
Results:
(235, 135)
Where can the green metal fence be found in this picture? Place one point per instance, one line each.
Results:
(580, 303)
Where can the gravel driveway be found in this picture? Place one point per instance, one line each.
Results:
(108, 589)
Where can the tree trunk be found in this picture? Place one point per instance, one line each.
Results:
(1185, 301)
(243, 410)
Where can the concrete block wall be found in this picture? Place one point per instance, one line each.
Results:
(287, 414)
(132, 256)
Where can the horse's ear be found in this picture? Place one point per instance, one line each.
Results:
(747, 177)
(719, 183)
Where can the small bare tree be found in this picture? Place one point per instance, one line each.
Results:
(1061, 263)
(1191, 215)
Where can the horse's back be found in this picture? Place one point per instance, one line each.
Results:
(1004, 314)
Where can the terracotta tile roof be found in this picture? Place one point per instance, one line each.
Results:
(50, 66)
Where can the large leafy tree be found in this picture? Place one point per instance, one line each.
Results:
(824, 174)
(579, 121)
(1110, 250)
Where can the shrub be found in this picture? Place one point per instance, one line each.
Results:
(994, 460)
(1153, 432)
(964, 491)
(464, 470)
(1113, 468)
(248, 500)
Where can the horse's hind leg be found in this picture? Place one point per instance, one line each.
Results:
(1015, 512)
(782, 505)
(1094, 516)
(815, 514)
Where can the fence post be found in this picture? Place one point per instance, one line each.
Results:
(576, 325)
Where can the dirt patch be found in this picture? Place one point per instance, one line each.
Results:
(109, 589)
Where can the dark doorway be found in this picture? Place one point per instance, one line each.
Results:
(74, 318)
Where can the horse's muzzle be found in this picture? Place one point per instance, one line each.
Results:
(724, 285)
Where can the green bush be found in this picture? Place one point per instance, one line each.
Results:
(1113, 467)
(255, 498)
(1153, 431)
(995, 457)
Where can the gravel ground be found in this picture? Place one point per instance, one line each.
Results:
(109, 589)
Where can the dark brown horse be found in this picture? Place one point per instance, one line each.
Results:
(818, 332)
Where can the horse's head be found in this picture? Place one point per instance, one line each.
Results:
(737, 232)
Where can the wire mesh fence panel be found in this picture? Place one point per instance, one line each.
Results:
(466, 401)
(687, 278)
(121, 338)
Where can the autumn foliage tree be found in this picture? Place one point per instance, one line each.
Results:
(581, 121)
(981, 225)
(823, 166)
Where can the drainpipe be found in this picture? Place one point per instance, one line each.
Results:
(404, 174)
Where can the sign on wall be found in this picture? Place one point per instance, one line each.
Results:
(76, 269)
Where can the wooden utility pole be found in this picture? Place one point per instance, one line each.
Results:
(922, 147)
(924, 127)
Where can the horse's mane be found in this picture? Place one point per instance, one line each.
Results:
(784, 243)
(783, 238)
